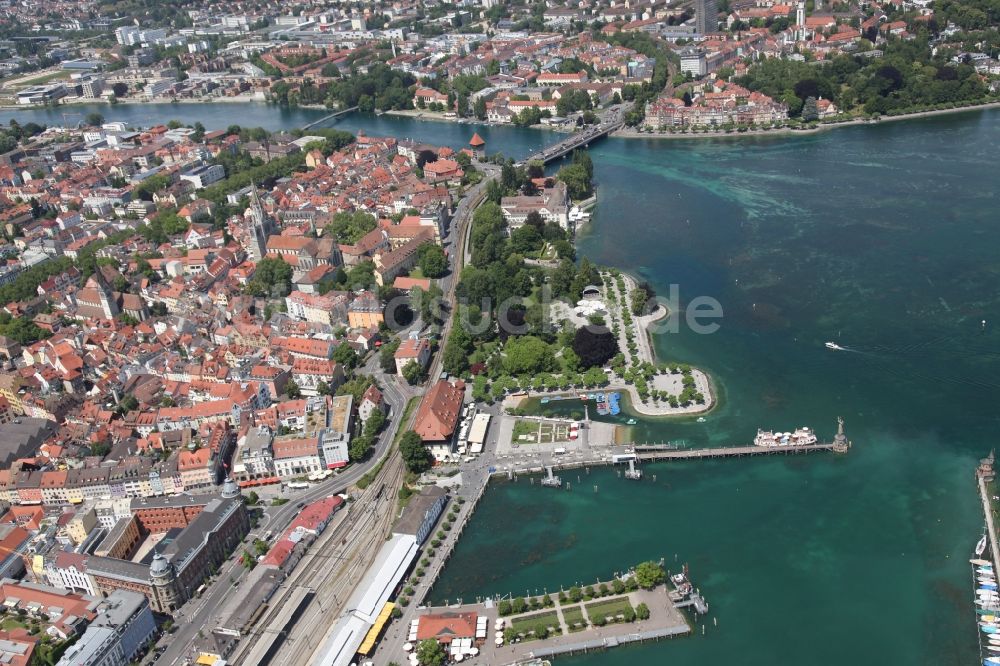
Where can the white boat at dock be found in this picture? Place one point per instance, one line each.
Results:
(980, 563)
(981, 546)
(801, 437)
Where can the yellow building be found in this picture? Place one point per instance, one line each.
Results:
(81, 525)
(10, 384)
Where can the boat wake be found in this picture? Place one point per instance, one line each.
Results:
(967, 365)
(835, 347)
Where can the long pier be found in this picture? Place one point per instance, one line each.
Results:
(335, 114)
(659, 454)
(737, 451)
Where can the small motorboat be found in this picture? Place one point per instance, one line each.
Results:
(980, 563)
(834, 346)
(631, 422)
(701, 419)
(981, 546)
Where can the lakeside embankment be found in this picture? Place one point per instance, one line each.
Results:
(100, 101)
(647, 353)
(627, 133)
(423, 114)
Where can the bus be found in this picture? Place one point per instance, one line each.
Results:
(295, 485)
(200, 590)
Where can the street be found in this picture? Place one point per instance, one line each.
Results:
(198, 615)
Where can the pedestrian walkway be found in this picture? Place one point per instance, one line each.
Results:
(562, 620)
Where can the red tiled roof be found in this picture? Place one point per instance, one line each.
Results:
(439, 410)
(445, 627)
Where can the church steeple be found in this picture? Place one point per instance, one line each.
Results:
(108, 304)
(259, 226)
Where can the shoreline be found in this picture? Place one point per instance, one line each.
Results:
(433, 116)
(624, 133)
(647, 353)
(783, 132)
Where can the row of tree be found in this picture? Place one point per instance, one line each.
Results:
(907, 77)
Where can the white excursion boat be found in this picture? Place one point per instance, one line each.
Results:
(801, 437)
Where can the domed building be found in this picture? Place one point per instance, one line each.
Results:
(230, 489)
(163, 578)
(197, 533)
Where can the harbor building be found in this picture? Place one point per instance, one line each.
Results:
(438, 415)
(422, 513)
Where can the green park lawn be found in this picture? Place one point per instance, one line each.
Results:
(522, 428)
(45, 78)
(574, 615)
(608, 608)
(537, 623)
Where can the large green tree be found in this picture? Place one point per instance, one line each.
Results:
(416, 457)
(348, 228)
(430, 653)
(432, 261)
(271, 277)
(527, 355)
(577, 180)
(649, 574)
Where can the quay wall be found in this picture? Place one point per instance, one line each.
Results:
(984, 495)
(615, 641)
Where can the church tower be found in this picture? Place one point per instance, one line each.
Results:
(258, 227)
(106, 298)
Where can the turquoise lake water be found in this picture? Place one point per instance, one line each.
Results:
(882, 238)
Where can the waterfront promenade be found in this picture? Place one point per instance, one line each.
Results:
(640, 327)
(665, 621)
(983, 476)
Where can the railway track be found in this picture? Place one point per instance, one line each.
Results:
(332, 567)
(333, 583)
